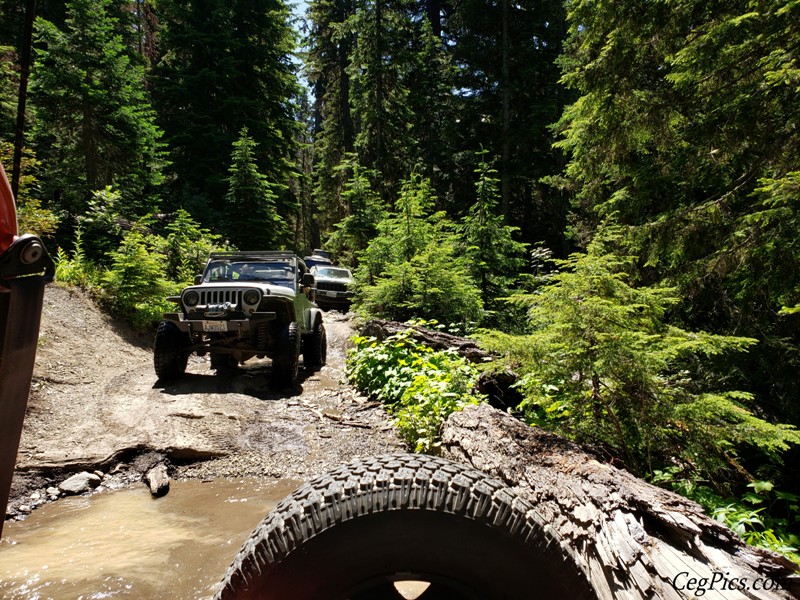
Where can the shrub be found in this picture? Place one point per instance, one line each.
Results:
(134, 286)
(602, 365)
(420, 386)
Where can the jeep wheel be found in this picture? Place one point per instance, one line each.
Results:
(356, 531)
(170, 353)
(315, 347)
(287, 355)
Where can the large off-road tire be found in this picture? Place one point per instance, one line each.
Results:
(170, 351)
(315, 348)
(354, 532)
(286, 362)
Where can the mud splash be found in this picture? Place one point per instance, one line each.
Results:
(126, 544)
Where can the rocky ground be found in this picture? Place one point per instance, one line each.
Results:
(96, 407)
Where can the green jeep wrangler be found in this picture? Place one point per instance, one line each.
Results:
(245, 304)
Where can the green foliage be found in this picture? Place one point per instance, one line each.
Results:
(329, 46)
(141, 270)
(364, 210)
(413, 268)
(8, 92)
(224, 66)
(186, 248)
(134, 286)
(762, 517)
(251, 221)
(94, 124)
(378, 68)
(684, 129)
(421, 387)
(32, 217)
(602, 365)
(77, 270)
(494, 257)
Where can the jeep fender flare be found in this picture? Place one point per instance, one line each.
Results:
(314, 317)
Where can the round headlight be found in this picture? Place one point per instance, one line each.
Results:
(191, 298)
(252, 297)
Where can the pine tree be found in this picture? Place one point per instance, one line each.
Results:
(8, 93)
(364, 209)
(252, 221)
(413, 268)
(684, 131)
(94, 125)
(602, 365)
(330, 44)
(495, 259)
(379, 66)
(507, 94)
(225, 66)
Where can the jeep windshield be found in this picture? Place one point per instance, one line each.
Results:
(333, 273)
(275, 272)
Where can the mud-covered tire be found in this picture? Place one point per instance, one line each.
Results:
(170, 351)
(286, 362)
(351, 533)
(315, 347)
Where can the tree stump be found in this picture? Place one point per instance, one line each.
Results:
(631, 539)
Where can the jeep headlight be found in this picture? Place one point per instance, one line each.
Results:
(191, 298)
(252, 297)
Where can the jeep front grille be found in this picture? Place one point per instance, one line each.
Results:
(329, 285)
(220, 297)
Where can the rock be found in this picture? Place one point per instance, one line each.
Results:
(35, 496)
(80, 483)
(53, 492)
(24, 508)
(100, 474)
(158, 480)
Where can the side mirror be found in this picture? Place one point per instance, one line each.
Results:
(198, 279)
(308, 280)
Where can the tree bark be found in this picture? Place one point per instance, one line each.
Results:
(631, 539)
(438, 340)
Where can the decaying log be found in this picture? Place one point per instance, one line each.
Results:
(438, 340)
(631, 539)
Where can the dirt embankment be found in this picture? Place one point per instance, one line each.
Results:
(96, 405)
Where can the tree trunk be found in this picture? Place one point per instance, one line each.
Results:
(505, 91)
(24, 72)
(437, 340)
(631, 539)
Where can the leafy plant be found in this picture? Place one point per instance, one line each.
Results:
(77, 270)
(762, 517)
(603, 365)
(420, 386)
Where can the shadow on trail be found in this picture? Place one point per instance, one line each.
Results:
(249, 379)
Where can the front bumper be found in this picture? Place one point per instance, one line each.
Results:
(220, 325)
(331, 296)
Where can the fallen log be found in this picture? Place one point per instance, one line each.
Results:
(438, 340)
(631, 539)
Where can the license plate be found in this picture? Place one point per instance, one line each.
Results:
(215, 326)
(331, 294)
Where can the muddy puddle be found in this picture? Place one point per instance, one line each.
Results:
(125, 544)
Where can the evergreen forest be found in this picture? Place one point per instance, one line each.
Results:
(605, 194)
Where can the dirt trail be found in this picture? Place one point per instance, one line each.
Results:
(96, 404)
